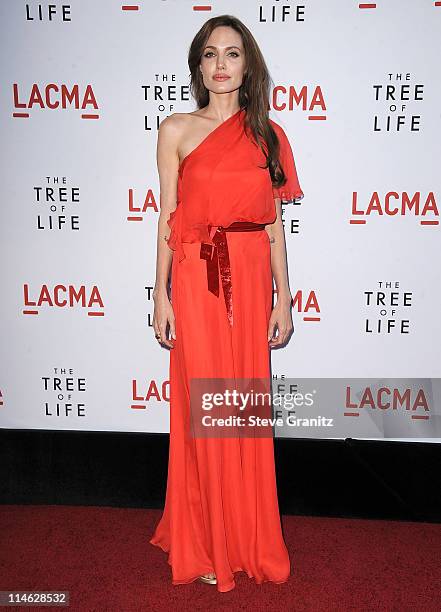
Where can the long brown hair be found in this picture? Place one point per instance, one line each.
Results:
(254, 93)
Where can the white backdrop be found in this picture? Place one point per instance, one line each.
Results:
(83, 92)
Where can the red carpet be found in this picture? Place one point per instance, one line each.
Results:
(102, 556)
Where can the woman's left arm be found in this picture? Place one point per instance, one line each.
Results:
(281, 314)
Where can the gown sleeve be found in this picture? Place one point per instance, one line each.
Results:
(291, 190)
(174, 239)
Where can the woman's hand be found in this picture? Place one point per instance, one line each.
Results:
(280, 318)
(163, 314)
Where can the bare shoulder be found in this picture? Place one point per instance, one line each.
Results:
(173, 128)
(169, 139)
(178, 121)
(170, 127)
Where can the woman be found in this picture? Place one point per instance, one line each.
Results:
(223, 172)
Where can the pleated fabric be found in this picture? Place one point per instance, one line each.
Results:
(221, 512)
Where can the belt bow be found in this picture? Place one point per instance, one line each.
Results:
(218, 260)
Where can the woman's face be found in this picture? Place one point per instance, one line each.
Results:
(223, 60)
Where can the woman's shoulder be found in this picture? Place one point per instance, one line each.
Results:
(173, 122)
(173, 130)
(177, 120)
(169, 130)
(177, 126)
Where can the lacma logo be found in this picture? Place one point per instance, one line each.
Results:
(53, 97)
(63, 296)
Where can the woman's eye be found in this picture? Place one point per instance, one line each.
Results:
(209, 53)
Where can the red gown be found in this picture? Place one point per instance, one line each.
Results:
(221, 510)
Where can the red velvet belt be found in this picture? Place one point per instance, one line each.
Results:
(218, 259)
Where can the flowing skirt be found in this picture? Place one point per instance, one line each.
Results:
(221, 510)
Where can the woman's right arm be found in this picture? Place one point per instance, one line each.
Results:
(168, 165)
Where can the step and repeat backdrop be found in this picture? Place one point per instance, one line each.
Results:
(85, 86)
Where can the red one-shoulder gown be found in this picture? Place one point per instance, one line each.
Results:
(221, 510)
